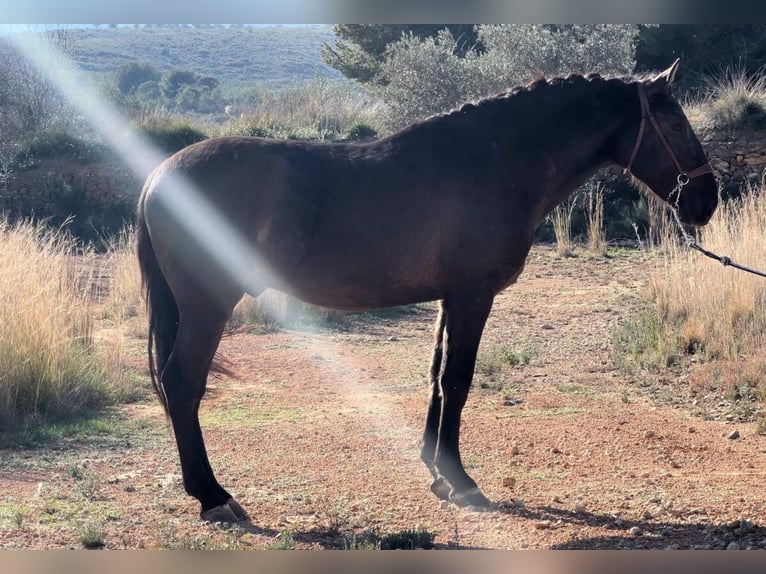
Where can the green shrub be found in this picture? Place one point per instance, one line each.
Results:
(58, 144)
(423, 77)
(171, 135)
(409, 539)
(360, 131)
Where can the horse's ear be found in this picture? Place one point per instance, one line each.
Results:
(662, 82)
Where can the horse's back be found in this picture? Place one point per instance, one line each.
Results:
(349, 226)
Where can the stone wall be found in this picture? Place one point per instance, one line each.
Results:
(57, 184)
(739, 158)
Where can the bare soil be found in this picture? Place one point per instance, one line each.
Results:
(318, 438)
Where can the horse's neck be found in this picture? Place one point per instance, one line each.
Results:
(575, 155)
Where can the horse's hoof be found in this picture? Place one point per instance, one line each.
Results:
(473, 499)
(441, 488)
(230, 512)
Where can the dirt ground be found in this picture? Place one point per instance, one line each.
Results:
(318, 438)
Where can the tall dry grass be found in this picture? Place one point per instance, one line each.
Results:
(594, 215)
(66, 314)
(561, 221)
(718, 311)
(321, 109)
(49, 367)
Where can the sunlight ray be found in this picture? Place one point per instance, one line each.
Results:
(186, 204)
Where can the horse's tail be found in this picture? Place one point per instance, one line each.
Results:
(161, 306)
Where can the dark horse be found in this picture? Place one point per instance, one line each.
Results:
(445, 210)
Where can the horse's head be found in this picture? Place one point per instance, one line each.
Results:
(663, 152)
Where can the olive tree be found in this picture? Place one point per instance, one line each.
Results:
(428, 76)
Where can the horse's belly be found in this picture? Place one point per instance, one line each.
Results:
(361, 288)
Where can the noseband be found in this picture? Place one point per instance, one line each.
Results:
(683, 176)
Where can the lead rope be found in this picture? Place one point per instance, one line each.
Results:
(690, 242)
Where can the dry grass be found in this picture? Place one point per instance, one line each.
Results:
(736, 101)
(321, 109)
(594, 214)
(49, 367)
(719, 311)
(65, 315)
(561, 221)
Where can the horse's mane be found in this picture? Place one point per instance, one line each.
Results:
(538, 92)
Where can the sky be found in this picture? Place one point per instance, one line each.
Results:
(390, 12)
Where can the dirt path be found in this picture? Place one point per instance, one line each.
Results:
(318, 439)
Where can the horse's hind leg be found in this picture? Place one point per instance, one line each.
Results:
(184, 379)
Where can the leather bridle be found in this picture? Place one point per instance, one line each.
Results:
(683, 176)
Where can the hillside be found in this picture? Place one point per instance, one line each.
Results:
(236, 56)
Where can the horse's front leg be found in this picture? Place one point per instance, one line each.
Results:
(464, 320)
(440, 487)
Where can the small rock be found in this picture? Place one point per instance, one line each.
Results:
(649, 434)
(542, 524)
(392, 338)
(511, 402)
(509, 482)
(515, 450)
(692, 430)
(732, 546)
(635, 531)
(733, 435)
(546, 327)
(555, 450)
(579, 507)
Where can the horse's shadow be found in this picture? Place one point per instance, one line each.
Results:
(648, 534)
(651, 534)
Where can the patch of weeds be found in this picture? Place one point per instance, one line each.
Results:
(495, 359)
(87, 482)
(761, 425)
(285, 541)
(371, 539)
(645, 342)
(235, 413)
(408, 539)
(91, 535)
(88, 428)
(365, 540)
(21, 515)
(573, 389)
(230, 539)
